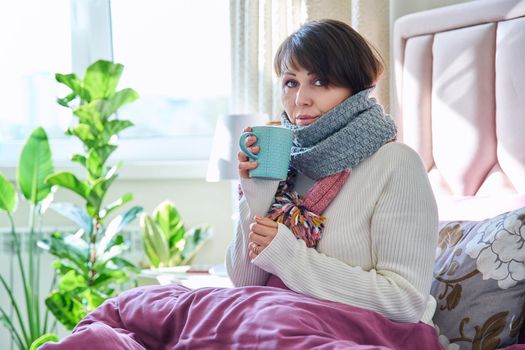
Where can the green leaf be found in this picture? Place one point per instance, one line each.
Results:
(108, 209)
(89, 114)
(66, 308)
(72, 281)
(195, 239)
(113, 251)
(84, 133)
(80, 159)
(45, 338)
(74, 213)
(94, 164)
(115, 226)
(105, 151)
(34, 166)
(97, 193)
(66, 100)
(150, 253)
(117, 125)
(70, 181)
(63, 267)
(71, 249)
(101, 78)
(116, 277)
(114, 127)
(170, 222)
(113, 103)
(8, 196)
(117, 240)
(152, 235)
(93, 298)
(72, 81)
(124, 264)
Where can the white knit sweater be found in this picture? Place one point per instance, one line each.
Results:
(376, 250)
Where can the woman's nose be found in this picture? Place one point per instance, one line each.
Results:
(303, 97)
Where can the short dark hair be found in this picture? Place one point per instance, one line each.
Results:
(334, 51)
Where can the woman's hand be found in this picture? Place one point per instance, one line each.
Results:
(244, 163)
(263, 231)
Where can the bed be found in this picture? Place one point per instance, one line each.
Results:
(459, 101)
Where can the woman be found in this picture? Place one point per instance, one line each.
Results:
(351, 250)
(377, 247)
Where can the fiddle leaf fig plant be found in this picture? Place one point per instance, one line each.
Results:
(166, 241)
(34, 165)
(89, 264)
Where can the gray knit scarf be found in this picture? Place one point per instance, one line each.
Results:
(343, 137)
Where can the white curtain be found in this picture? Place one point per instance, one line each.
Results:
(259, 26)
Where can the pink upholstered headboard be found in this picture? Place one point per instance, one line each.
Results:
(460, 103)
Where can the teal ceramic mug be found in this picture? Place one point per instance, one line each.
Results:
(275, 144)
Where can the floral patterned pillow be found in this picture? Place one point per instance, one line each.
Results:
(479, 281)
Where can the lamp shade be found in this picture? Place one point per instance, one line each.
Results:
(223, 158)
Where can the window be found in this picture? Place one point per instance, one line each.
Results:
(176, 55)
(35, 37)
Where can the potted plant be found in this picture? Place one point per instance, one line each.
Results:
(89, 263)
(166, 241)
(34, 165)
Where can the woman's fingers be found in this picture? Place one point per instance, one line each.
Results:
(265, 221)
(254, 249)
(250, 140)
(242, 157)
(257, 239)
(265, 232)
(245, 165)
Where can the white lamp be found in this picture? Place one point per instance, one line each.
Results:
(223, 158)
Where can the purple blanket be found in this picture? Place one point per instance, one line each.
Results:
(174, 317)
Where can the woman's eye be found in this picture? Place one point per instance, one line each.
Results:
(319, 82)
(290, 83)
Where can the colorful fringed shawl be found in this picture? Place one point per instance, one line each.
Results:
(302, 215)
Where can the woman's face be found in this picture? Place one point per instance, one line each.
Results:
(306, 98)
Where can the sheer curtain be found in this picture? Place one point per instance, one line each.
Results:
(259, 26)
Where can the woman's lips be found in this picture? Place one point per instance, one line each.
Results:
(305, 119)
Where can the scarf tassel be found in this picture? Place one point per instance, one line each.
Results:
(303, 223)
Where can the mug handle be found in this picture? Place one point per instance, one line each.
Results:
(243, 147)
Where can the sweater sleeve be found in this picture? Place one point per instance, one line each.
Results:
(403, 230)
(257, 199)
